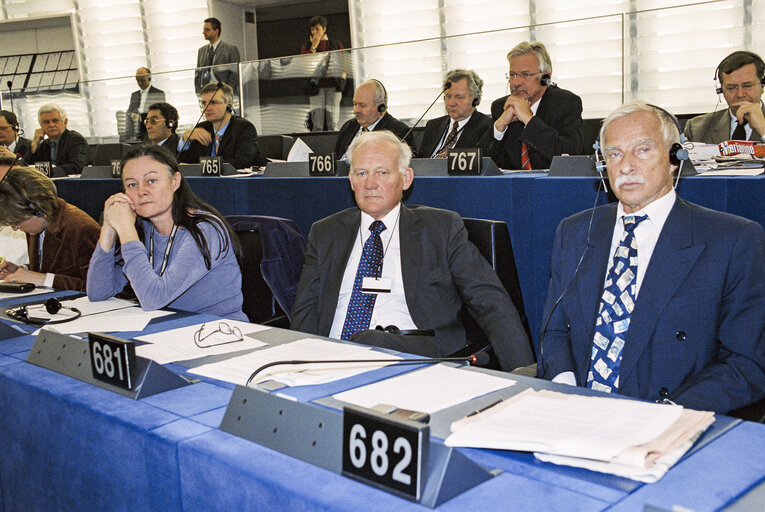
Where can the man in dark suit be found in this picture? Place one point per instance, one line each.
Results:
(460, 98)
(425, 269)
(217, 54)
(537, 120)
(683, 317)
(370, 104)
(741, 76)
(161, 123)
(140, 100)
(54, 143)
(11, 145)
(232, 138)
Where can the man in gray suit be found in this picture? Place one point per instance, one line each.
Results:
(408, 269)
(741, 76)
(216, 53)
(140, 101)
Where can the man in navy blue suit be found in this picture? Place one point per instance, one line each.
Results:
(696, 332)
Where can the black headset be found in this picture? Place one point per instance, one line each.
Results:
(677, 153)
(476, 101)
(229, 108)
(382, 106)
(52, 306)
(758, 63)
(169, 123)
(546, 80)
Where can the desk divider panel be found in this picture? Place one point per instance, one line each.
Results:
(314, 434)
(69, 355)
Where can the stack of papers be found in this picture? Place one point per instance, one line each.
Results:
(637, 440)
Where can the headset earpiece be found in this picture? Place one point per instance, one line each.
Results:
(229, 108)
(476, 101)
(381, 107)
(52, 306)
(170, 124)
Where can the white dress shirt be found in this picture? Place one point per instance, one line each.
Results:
(390, 308)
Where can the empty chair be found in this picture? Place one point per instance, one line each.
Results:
(274, 253)
(105, 153)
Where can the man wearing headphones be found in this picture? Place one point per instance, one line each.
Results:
(463, 126)
(740, 76)
(537, 120)
(370, 113)
(161, 123)
(11, 145)
(655, 297)
(232, 138)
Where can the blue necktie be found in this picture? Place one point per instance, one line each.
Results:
(361, 304)
(216, 145)
(616, 307)
(53, 151)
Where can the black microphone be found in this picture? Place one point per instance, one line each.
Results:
(477, 359)
(218, 87)
(9, 83)
(446, 86)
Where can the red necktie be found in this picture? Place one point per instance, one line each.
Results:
(525, 161)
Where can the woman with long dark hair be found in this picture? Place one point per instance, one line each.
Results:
(175, 250)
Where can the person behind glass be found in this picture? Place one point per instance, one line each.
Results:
(175, 250)
(11, 144)
(54, 143)
(538, 120)
(60, 236)
(140, 101)
(216, 53)
(161, 123)
(232, 138)
(463, 126)
(324, 92)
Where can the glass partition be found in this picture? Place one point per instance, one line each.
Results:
(665, 56)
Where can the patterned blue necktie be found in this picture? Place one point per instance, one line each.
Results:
(216, 145)
(616, 307)
(361, 304)
(53, 151)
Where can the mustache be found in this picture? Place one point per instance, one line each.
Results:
(627, 179)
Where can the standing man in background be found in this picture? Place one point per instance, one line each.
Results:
(537, 120)
(216, 53)
(324, 92)
(140, 100)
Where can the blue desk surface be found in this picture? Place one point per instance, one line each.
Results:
(532, 204)
(67, 445)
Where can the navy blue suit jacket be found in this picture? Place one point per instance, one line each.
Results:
(698, 327)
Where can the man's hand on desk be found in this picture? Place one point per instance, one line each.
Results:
(22, 275)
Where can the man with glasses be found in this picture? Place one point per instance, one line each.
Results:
(232, 138)
(217, 53)
(403, 268)
(161, 123)
(741, 76)
(537, 120)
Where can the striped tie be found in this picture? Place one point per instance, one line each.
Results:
(525, 161)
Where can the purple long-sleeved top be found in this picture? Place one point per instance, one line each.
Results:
(186, 284)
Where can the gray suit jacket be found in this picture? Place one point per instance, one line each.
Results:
(154, 96)
(441, 270)
(713, 128)
(224, 54)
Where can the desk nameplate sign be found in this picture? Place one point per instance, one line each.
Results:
(44, 167)
(321, 164)
(430, 472)
(385, 452)
(464, 162)
(210, 165)
(71, 356)
(112, 360)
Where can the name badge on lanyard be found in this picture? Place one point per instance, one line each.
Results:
(375, 285)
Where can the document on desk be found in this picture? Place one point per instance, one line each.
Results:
(427, 390)
(238, 369)
(603, 434)
(184, 343)
(103, 316)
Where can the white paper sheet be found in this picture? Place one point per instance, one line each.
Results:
(427, 390)
(299, 151)
(178, 344)
(238, 369)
